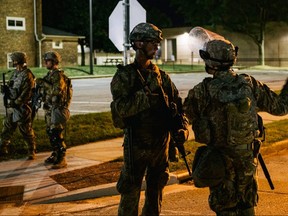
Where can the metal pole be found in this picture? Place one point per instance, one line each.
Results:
(91, 37)
(126, 45)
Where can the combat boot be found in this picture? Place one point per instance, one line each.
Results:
(4, 148)
(61, 160)
(32, 151)
(52, 158)
(31, 155)
(60, 164)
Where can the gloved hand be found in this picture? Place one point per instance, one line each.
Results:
(180, 136)
(4, 89)
(46, 106)
(12, 104)
(39, 81)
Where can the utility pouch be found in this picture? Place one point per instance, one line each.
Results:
(208, 168)
(118, 122)
(202, 131)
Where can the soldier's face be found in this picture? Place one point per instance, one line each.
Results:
(150, 48)
(49, 64)
(15, 63)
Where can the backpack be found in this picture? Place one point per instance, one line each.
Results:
(237, 108)
(69, 90)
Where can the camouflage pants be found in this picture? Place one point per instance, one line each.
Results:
(152, 161)
(56, 120)
(237, 194)
(25, 128)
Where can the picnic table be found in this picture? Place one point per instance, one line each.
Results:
(113, 61)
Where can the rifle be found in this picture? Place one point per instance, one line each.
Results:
(257, 144)
(130, 156)
(5, 92)
(36, 100)
(182, 151)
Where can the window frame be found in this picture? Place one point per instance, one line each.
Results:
(55, 46)
(15, 27)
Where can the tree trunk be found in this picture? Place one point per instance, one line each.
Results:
(82, 43)
(261, 50)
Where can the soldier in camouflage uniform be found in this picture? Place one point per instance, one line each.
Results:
(223, 112)
(56, 106)
(145, 100)
(20, 87)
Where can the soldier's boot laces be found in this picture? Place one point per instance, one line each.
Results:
(61, 160)
(51, 159)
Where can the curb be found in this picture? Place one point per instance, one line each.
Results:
(274, 148)
(94, 192)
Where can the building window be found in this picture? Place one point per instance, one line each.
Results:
(15, 23)
(57, 45)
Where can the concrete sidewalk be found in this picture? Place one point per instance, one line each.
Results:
(35, 176)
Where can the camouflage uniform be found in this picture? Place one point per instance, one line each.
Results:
(20, 86)
(217, 123)
(56, 106)
(146, 128)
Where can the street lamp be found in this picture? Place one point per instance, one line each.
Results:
(91, 37)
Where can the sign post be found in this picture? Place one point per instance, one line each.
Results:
(120, 25)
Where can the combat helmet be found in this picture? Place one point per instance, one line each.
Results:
(144, 31)
(219, 54)
(53, 56)
(19, 57)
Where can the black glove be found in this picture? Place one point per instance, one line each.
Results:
(180, 137)
(39, 81)
(4, 89)
(12, 104)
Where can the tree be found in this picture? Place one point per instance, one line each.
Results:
(244, 16)
(73, 16)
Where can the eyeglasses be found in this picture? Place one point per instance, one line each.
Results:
(153, 42)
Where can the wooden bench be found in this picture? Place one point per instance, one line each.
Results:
(113, 61)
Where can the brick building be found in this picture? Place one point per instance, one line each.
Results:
(21, 30)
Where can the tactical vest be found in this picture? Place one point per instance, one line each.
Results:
(230, 114)
(69, 90)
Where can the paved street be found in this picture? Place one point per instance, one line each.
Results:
(93, 95)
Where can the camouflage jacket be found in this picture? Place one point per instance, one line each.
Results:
(208, 104)
(132, 102)
(21, 84)
(54, 89)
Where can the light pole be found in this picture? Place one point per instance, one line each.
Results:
(91, 37)
(126, 44)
